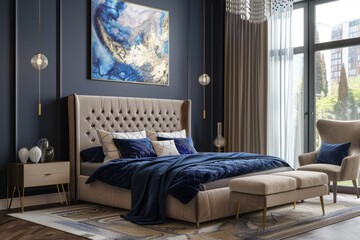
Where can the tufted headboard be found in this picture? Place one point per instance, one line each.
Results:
(121, 114)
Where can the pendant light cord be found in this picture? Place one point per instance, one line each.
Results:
(204, 49)
(39, 41)
(204, 32)
(39, 25)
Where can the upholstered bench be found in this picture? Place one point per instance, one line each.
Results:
(271, 190)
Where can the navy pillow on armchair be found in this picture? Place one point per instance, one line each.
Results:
(333, 153)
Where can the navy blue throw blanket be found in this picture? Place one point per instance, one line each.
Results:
(150, 179)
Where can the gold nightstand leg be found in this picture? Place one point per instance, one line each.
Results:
(21, 199)
(12, 196)
(69, 196)
(57, 186)
(63, 190)
(7, 196)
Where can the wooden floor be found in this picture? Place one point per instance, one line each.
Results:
(13, 228)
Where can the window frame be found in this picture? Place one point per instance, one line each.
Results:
(309, 49)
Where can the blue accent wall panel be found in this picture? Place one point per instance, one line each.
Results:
(7, 88)
(66, 41)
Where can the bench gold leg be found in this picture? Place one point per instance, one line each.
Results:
(294, 204)
(322, 204)
(237, 211)
(264, 218)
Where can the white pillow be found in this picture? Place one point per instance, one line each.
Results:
(153, 135)
(106, 139)
(165, 148)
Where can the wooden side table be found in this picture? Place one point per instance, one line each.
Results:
(21, 176)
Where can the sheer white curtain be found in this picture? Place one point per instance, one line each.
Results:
(281, 122)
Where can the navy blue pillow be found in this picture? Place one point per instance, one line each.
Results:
(135, 148)
(333, 153)
(93, 154)
(183, 145)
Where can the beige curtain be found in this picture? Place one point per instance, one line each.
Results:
(245, 84)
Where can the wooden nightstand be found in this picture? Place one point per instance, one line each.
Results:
(21, 176)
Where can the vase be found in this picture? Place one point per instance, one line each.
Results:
(47, 152)
(23, 155)
(219, 141)
(35, 154)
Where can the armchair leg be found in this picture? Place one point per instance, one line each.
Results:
(356, 188)
(334, 190)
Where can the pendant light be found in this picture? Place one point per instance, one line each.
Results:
(39, 61)
(204, 79)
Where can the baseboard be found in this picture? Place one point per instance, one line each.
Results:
(32, 200)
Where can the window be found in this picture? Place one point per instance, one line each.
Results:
(336, 20)
(331, 62)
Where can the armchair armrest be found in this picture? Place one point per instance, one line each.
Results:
(350, 167)
(308, 158)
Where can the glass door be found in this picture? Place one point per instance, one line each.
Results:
(336, 62)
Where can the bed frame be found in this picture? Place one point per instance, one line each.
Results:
(88, 113)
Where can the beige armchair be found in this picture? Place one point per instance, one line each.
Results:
(334, 132)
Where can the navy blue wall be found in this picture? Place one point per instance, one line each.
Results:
(66, 43)
(7, 94)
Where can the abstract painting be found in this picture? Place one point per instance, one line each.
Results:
(130, 43)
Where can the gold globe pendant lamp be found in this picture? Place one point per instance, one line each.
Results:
(39, 61)
(204, 79)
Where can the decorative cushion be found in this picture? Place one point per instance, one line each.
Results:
(183, 145)
(306, 179)
(333, 171)
(263, 184)
(333, 153)
(153, 135)
(135, 148)
(108, 146)
(93, 154)
(165, 148)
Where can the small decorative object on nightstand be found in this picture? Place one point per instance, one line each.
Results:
(219, 141)
(35, 154)
(21, 176)
(23, 154)
(47, 152)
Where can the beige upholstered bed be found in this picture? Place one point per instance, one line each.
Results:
(88, 113)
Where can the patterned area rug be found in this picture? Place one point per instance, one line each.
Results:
(100, 222)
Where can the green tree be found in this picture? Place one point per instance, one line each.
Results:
(325, 107)
(321, 84)
(342, 106)
(324, 75)
(354, 93)
(343, 91)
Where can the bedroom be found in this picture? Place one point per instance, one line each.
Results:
(66, 40)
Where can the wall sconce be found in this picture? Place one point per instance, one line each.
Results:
(204, 79)
(39, 61)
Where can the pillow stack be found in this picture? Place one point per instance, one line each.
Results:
(146, 143)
